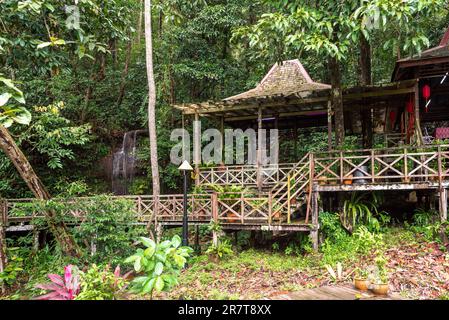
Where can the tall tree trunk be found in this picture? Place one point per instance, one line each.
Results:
(337, 100)
(125, 73)
(365, 80)
(151, 99)
(58, 228)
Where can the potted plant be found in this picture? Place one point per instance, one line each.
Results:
(381, 285)
(361, 281)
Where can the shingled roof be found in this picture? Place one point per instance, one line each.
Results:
(435, 55)
(284, 79)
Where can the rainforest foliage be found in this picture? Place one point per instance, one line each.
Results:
(84, 81)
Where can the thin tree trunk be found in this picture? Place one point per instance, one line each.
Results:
(365, 80)
(337, 100)
(139, 25)
(125, 73)
(58, 228)
(151, 99)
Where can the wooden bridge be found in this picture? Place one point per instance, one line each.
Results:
(275, 194)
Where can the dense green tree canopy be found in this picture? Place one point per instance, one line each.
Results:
(93, 72)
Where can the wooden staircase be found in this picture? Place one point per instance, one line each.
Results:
(295, 192)
(286, 194)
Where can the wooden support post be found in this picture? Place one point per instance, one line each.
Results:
(315, 227)
(35, 239)
(418, 131)
(259, 150)
(270, 207)
(443, 205)
(329, 125)
(214, 201)
(197, 147)
(222, 132)
(288, 198)
(159, 232)
(197, 238)
(3, 222)
(295, 143)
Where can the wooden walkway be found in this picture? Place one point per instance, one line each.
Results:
(333, 293)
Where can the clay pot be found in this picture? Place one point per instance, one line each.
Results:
(380, 289)
(361, 284)
(232, 215)
(322, 181)
(348, 180)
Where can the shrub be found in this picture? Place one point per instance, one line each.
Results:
(223, 248)
(101, 284)
(107, 227)
(13, 268)
(160, 265)
(330, 226)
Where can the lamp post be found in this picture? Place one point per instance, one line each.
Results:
(185, 167)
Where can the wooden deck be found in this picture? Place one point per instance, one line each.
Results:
(333, 293)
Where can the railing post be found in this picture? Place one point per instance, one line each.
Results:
(212, 175)
(406, 165)
(139, 206)
(440, 168)
(214, 203)
(373, 163)
(341, 168)
(270, 207)
(242, 208)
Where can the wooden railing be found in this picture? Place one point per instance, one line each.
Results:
(392, 140)
(392, 165)
(291, 188)
(245, 175)
(235, 208)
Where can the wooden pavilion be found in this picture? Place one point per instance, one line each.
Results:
(287, 98)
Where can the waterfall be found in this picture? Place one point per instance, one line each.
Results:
(124, 163)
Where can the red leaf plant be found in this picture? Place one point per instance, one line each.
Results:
(62, 288)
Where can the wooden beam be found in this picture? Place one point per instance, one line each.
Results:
(259, 150)
(222, 132)
(197, 148)
(279, 115)
(3, 222)
(443, 205)
(228, 107)
(414, 63)
(419, 135)
(329, 125)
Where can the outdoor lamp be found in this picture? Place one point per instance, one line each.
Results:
(185, 167)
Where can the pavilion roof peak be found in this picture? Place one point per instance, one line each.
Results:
(445, 40)
(284, 79)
